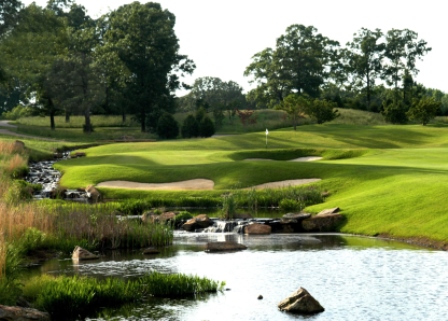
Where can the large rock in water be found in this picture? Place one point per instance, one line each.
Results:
(325, 221)
(199, 222)
(301, 301)
(92, 194)
(81, 254)
(227, 246)
(8, 313)
(257, 229)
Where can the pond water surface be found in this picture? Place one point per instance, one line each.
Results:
(353, 278)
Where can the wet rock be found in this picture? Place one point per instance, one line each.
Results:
(257, 229)
(19, 146)
(148, 217)
(328, 211)
(323, 223)
(92, 194)
(81, 254)
(199, 222)
(260, 297)
(167, 216)
(77, 155)
(9, 313)
(228, 246)
(296, 216)
(151, 250)
(301, 301)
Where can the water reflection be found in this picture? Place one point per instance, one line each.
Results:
(353, 278)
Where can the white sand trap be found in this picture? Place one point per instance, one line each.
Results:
(197, 185)
(306, 159)
(288, 183)
(193, 184)
(300, 159)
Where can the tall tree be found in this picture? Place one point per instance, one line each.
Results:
(365, 56)
(402, 49)
(32, 47)
(143, 37)
(300, 63)
(9, 12)
(296, 106)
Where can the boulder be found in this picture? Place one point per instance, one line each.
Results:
(19, 146)
(301, 301)
(151, 250)
(92, 194)
(166, 216)
(323, 223)
(81, 254)
(148, 217)
(328, 211)
(227, 246)
(9, 313)
(257, 229)
(199, 222)
(296, 216)
(203, 220)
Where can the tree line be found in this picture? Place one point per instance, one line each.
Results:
(59, 60)
(126, 61)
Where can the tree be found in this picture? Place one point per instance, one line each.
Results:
(167, 127)
(300, 64)
(9, 12)
(402, 50)
(423, 110)
(30, 51)
(143, 37)
(296, 106)
(365, 57)
(321, 110)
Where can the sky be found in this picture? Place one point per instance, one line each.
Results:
(222, 36)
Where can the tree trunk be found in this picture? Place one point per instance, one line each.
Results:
(88, 124)
(143, 119)
(52, 124)
(67, 116)
(123, 116)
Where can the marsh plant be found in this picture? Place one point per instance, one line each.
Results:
(229, 205)
(63, 296)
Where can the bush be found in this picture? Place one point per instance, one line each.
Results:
(167, 127)
(190, 127)
(206, 127)
(18, 112)
(287, 204)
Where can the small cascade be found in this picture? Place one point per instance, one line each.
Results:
(44, 174)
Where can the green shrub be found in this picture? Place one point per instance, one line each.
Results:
(178, 285)
(18, 112)
(167, 127)
(206, 127)
(229, 205)
(287, 204)
(190, 127)
(18, 191)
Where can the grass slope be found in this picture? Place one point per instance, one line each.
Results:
(386, 179)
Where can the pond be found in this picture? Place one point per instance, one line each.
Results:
(354, 278)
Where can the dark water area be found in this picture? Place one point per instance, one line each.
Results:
(354, 278)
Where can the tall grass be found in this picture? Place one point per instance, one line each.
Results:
(64, 297)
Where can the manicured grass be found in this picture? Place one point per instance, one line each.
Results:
(386, 179)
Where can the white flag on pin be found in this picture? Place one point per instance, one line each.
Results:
(267, 132)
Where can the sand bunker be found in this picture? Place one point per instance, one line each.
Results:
(300, 159)
(196, 185)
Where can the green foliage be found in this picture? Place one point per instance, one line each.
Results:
(17, 192)
(321, 110)
(183, 216)
(70, 297)
(206, 127)
(424, 110)
(395, 112)
(190, 127)
(296, 106)
(289, 205)
(229, 206)
(167, 127)
(178, 285)
(17, 112)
